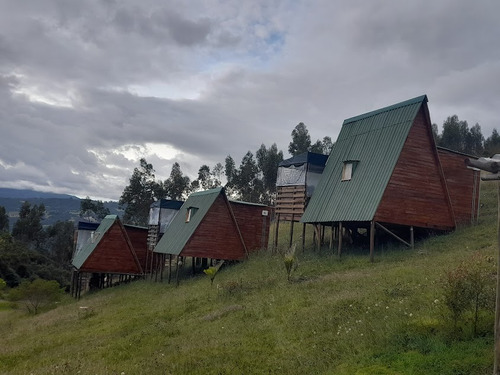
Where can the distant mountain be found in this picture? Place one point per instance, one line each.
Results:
(27, 194)
(59, 207)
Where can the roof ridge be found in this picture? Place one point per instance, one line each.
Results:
(421, 98)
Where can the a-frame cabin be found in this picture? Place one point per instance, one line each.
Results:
(207, 228)
(383, 173)
(108, 254)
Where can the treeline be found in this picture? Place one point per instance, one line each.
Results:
(32, 251)
(456, 135)
(254, 180)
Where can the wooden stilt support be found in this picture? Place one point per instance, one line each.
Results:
(303, 237)
(169, 267)
(276, 232)
(331, 238)
(193, 265)
(318, 230)
(339, 250)
(291, 231)
(177, 271)
(372, 240)
(393, 234)
(412, 237)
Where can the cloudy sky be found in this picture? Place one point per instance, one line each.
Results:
(89, 87)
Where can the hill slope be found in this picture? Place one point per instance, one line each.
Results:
(59, 207)
(337, 316)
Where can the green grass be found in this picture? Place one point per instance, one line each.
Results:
(335, 316)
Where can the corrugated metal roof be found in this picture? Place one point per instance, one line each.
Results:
(306, 157)
(80, 257)
(180, 231)
(372, 141)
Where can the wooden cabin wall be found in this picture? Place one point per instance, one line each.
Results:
(112, 255)
(139, 239)
(415, 194)
(290, 202)
(463, 186)
(216, 237)
(253, 226)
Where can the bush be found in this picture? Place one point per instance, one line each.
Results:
(37, 294)
(470, 288)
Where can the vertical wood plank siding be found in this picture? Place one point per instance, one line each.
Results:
(253, 226)
(416, 193)
(139, 239)
(216, 237)
(112, 254)
(463, 186)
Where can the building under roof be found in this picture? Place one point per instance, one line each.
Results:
(108, 251)
(209, 226)
(383, 173)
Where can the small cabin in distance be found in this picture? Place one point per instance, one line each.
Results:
(463, 185)
(108, 256)
(297, 178)
(296, 181)
(211, 228)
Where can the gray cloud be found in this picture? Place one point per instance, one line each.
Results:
(86, 88)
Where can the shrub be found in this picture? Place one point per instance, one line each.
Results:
(470, 288)
(290, 261)
(212, 271)
(36, 294)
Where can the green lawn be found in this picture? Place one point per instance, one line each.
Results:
(336, 316)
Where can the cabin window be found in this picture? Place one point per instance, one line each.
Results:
(190, 213)
(347, 171)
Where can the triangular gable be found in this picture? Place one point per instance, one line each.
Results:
(204, 227)
(371, 144)
(416, 194)
(110, 250)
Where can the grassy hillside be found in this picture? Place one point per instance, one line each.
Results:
(336, 316)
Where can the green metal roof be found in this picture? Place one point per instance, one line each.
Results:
(80, 257)
(374, 142)
(179, 231)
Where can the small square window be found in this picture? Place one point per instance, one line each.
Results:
(190, 212)
(347, 171)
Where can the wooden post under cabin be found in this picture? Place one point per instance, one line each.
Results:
(276, 232)
(339, 250)
(318, 230)
(372, 239)
(412, 237)
(169, 267)
(177, 271)
(331, 238)
(303, 237)
(291, 231)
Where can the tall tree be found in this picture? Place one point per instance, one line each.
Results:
(139, 194)
(435, 133)
(230, 172)
(267, 161)
(59, 242)
(322, 147)
(454, 134)
(247, 183)
(492, 144)
(177, 186)
(28, 228)
(210, 178)
(474, 141)
(93, 210)
(301, 140)
(4, 220)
